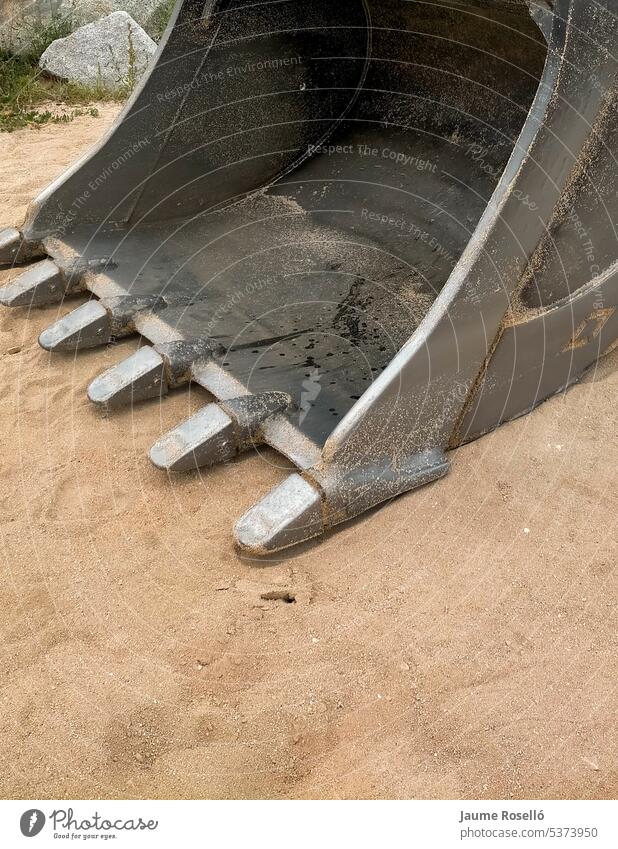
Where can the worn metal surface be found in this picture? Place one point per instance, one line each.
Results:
(361, 208)
(218, 433)
(15, 249)
(138, 378)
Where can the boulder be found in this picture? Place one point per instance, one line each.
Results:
(111, 52)
(21, 24)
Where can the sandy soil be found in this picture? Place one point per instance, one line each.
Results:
(460, 642)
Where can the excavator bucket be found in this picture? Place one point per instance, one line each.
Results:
(373, 230)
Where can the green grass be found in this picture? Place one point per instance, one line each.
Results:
(25, 91)
(25, 94)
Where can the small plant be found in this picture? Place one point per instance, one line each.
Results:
(160, 19)
(132, 75)
(128, 84)
(42, 35)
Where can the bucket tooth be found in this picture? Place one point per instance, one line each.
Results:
(14, 248)
(86, 327)
(203, 440)
(217, 433)
(95, 323)
(43, 283)
(290, 514)
(10, 244)
(138, 378)
(150, 373)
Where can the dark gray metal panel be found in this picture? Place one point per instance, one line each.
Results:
(237, 93)
(582, 238)
(416, 403)
(569, 289)
(543, 354)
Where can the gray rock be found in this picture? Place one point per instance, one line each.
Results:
(112, 52)
(20, 22)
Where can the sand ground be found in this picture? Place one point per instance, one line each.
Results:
(460, 642)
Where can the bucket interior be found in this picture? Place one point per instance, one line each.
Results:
(307, 210)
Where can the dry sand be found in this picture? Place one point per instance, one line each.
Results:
(435, 649)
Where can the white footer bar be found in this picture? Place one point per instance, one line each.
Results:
(319, 825)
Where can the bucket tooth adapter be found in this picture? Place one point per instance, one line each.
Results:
(373, 230)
